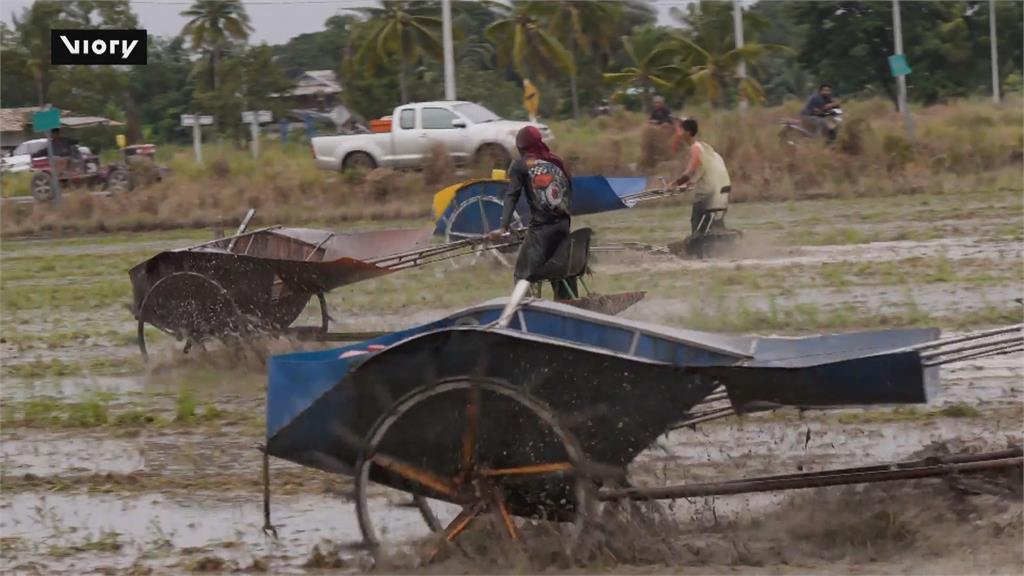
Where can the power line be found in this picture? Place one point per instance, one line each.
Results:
(355, 3)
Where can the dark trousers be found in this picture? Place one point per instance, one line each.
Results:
(700, 209)
(539, 245)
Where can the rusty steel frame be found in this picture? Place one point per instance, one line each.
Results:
(925, 468)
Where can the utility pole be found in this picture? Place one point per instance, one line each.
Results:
(197, 140)
(901, 79)
(449, 50)
(254, 134)
(741, 67)
(995, 51)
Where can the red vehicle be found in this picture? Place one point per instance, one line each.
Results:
(86, 171)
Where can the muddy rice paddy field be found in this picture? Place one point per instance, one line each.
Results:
(110, 466)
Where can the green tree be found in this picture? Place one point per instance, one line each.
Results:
(947, 46)
(322, 50)
(28, 77)
(779, 73)
(212, 26)
(588, 27)
(523, 40)
(261, 78)
(651, 62)
(399, 30)
(709, 55)
(163, 89)
(27, 45)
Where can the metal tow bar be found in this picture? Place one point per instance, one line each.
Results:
(926, 468)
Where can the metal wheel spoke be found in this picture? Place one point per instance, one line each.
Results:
(506, 518)
(455, 528)
(428, 515)
(546, 468)
(418, 475)
(469, 436)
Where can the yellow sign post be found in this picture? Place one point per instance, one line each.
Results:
(531, 99)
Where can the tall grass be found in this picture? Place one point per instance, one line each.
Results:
(959, 146)
(955, 144)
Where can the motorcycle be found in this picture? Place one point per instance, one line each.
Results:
(797, 129)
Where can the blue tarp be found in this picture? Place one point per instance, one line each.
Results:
(591, 195)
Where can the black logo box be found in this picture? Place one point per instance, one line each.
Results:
(85, 47)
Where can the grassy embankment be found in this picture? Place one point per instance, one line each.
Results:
(962, 146)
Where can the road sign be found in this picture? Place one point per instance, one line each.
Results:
(898, 65)
(46, 120)
(262, 116)
(190, 120)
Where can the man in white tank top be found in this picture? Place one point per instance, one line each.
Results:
(706, 172)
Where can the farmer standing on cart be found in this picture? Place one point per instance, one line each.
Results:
(543, 177)
(707, 176)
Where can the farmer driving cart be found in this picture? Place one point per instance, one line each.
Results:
(543, 177)
(707, 175)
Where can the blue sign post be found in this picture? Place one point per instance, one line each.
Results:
(898, 65)
(46, 121)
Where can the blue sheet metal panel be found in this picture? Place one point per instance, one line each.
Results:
(596, 194)
(482, 318)
(472, 219)
(888, 378)
(473, 223)
(578, 330)
(295, 381)
(664, 350)
(591, 195)
(628, 403)
(794, 352)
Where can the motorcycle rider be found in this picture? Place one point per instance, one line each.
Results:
(660, 114)
(817, 108)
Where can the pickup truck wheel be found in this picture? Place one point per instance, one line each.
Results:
(42, 187)
(358, 161)
(119, 181)
(493, 156)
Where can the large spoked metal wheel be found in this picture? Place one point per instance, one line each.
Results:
(510, 467)
(189, 307)
(474, 219)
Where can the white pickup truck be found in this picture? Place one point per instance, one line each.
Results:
(470, 132)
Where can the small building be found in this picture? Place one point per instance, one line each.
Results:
(315, 90)
(15, 126)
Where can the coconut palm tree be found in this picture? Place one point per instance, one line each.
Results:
(652, 62)
(709, 54)
(523, 40)
(712, 72)
(402, 30)
(587, 27)
(212, 25)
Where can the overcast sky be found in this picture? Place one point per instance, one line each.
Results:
(273, 21)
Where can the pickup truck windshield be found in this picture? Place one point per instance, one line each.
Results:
(476, 113)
